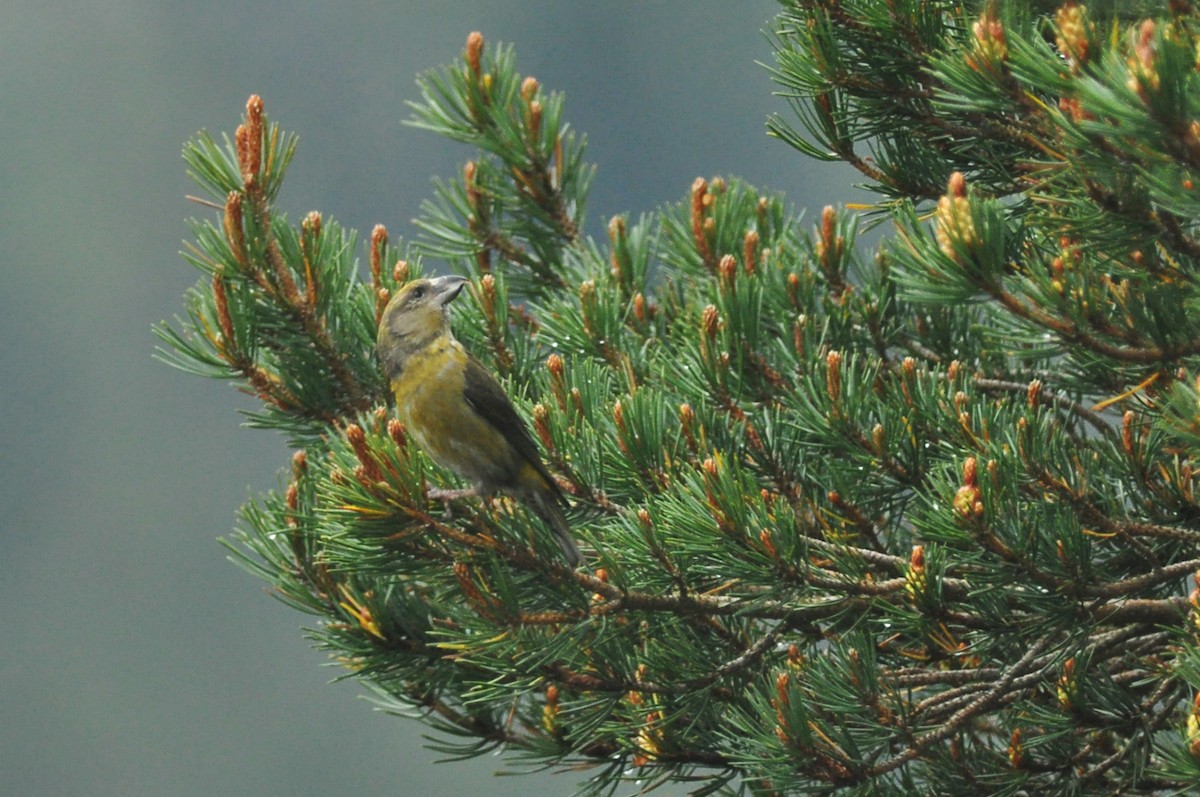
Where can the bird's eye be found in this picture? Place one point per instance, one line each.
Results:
(417, 292)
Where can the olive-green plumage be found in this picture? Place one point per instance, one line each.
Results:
(456, 410)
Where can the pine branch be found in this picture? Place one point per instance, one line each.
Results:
(853, 524)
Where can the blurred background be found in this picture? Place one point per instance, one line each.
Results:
(135, 660)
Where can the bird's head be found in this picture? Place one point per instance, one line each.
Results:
(416, 316)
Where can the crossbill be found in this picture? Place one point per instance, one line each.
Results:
(456, 410)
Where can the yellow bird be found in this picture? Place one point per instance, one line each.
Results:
(457, 411)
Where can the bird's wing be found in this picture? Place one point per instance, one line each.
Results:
(489, 401)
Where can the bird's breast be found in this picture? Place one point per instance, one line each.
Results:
(432, 406)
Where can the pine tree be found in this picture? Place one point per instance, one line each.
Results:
(921, 520)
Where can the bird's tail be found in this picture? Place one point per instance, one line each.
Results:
(547, 506)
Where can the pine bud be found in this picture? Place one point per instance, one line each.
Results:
(795, 661)
(379, 240)
(313, 224)
(235, 234)
(622, 432)
(474, 52)
(1072, 33)
(469, 171)
(529, 88)
(550, 710)
(966, 500)
(699, 203)
(916, 583)
(710, 321)
(833, 376)
(358, 441)
(487, 296)
(1192, 728)
(1067, 687)
(398, 433)
(639, 307)
(617, 244)
(587, 304)
(727, 270)
(955, 228)
(1127, 434)
(750, 251)
(541, 424)
(1033, 394)
(1016, 750)
(1142, 62)
(249, 140)
(768, 543)
(558, 387)
(400, 272)
(228, 342)
(686, 418)
(830, 248)
(991, 45)
(793, 289)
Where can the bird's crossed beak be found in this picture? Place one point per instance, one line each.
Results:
(445, 289)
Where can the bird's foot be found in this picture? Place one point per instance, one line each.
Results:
(451, 495)
(446, 496)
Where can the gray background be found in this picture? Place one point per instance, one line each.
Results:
(135, 660)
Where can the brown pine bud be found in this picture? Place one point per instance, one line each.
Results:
(558, 387)
(616, 239)
(541, 425)
(487, 296)
(358, 441)
(833, 376)
(379, 240)
(1127, 434)
(1033, 394)
(750, 252)
(529, 88)
(639, 307)
(727, 270)
(686, 418)
(250, 143)
(398, 433)
(699, 203)
(475, 52)
(235, 234)
(1016, 750)
(227, 343)
(710, 321)
(768, 543)
(878, 439)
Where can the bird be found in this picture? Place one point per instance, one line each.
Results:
(456, 410)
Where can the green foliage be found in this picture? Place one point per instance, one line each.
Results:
(917, 522)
